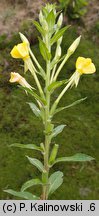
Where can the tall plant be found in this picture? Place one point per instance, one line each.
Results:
(50, 28)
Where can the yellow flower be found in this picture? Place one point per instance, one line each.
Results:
(20, 51)
(85, 66)
(16, 77)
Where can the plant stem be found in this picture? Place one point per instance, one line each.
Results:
(59, 97)
(36, 62)
(33, 72)
(61, 66)
(47, 135)
(53, 73)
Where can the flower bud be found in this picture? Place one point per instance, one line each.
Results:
(59, 40)
(74, 46)
(60, 20)
(58, 52)
(23, 38)
(53, 154)
(41, 17)
(45, 25)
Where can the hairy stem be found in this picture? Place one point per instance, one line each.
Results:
(36, 62)
(33, 72)
(59, 97)
(47, 135)
(61, 66)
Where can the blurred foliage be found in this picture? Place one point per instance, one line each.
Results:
(74, 8)
(96, 28)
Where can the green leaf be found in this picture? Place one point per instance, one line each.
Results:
(44, 51)
(58, 35)
(26, 146)
(51, 20)
(30, 183)
(57, 14)
(41, 100)
(35, 109)
(39, 28)
(70, 105)
(55, 85)
(36, 163)
(55, 181)
(24, 195)
(45, 11)
(58, 130)
(77, 157)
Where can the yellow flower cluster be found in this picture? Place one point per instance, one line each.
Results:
(83, 65)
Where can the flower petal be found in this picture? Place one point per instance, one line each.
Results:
(85, 66)
(15, 53)
(23, 50)
(90, 69)
(15, 77)
(20, 51)
(79, 62)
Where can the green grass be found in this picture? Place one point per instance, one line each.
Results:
(18, 124)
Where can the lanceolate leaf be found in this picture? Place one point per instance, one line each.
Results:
(57, 14)
(79, 157)
(41, 100)
(44, 51)
(36, 163)
(58, 35)
(55, 181)
(27, 146)
(39, 28)
(70, 105)
(45, 11)
(35, 109)
(30, 183)
(24, 195)
(58, 130)
(51, 20)
(55, 85)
